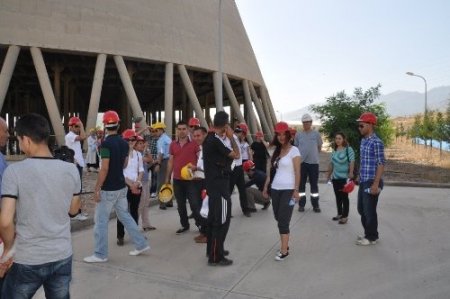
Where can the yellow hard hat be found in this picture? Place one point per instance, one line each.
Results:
(158, 125)
(166, 193)
(186, 172)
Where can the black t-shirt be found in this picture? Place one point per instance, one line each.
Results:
(260, 155)
(115, 149)
(215, 158)
(258, 179)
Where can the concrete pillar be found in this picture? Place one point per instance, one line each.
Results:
(218, 93)
(265, 105)
(168, 98)
(7, 71)
(248, 103)
(57, 69)
(234, 104)
(94, 101)
(49, 97)
(191, 94)
(269, 103)
(260, 110)
(129, 90)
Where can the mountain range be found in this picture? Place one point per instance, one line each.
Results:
(398, 103)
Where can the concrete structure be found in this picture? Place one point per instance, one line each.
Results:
(142, 58)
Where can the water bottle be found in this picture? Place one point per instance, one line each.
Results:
(367, 190)
(292, 202)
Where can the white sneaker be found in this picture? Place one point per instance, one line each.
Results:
(138, 252)
(80, 217)
(365, 242)
(153, 195)
(94, 259)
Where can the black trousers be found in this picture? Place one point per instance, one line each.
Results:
(133, 207)
(237, 178)
(311, 172)
(187, 190)
(342, 202)
(218, 217)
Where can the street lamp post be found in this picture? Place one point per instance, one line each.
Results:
(426, 90)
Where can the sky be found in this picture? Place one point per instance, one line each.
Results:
(310, 50)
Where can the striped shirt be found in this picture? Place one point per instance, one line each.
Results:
(372, 155)
(340, 159)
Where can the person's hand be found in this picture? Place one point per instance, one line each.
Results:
(265, 193)
(229, 132)
(296, 196)
(351, 176)
(4, 266)
(96, 196)
(374, 190)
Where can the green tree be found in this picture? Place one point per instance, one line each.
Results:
(428, 127)
(414, 131)
(439, 131)
(341, 111)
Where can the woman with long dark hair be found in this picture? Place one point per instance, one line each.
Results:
(283, 183)
(340, 170)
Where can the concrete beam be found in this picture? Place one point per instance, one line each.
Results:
(218, 91)
(129, 90)
(168, 98)
(248, 103)
(260, 110)
(233, 101)
(191, 94)
(265, 105)
(7, 71)
(49, 97)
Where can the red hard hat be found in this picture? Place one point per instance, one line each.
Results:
(248, 165)
(128, 133)
(139, 138)
(259, 134)
(110, 118)
(348, 188)
(281, 127)
(194, 122)
(368, 117)
(243, 127)
(74, 120)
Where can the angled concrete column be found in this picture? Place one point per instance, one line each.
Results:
(94, 101)
(7, 71)
(218, 93)
(168, 98)
(57, 69)
(191, 94)
(266, 99)
(265, 105)
(235, 108)
(248, 103)
(129, 90)
(49, 97)
(260, 110)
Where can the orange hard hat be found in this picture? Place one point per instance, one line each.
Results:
(74, 120)
(110, 118)
(281, 127)
(194, 122)
(139, 138)
(128, 134)
(247, 165)
(368, 117)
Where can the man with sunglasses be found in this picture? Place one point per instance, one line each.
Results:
(370, 182)
(73, 141)
(309, 143)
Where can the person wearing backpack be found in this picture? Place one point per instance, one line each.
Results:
(340, 170)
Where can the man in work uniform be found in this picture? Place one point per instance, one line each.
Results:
(162, 146)
(217, 162)
(370, 182)
(309, 142)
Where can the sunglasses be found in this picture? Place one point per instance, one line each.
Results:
(193, 127)
(131, 140)
(361, 126)
(76, 126)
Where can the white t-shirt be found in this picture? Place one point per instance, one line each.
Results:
(75, 145)
(226, 141)
(285, 177)
(244, 150)
(134, 166)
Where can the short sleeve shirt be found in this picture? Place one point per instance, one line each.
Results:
(43, 189)
(75, 145)
(115, 149)
(285, 176)
(340, 160)
(162, 145)
(308, 144)
(182, 155)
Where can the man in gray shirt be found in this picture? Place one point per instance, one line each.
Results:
(309, 142)
(41, 193)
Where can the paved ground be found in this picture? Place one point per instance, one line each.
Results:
(412, 259)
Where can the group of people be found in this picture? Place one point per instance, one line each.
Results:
(136, 164)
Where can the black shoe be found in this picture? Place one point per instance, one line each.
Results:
(252, 210)
(182, 230)
(169, 204)
(223, 262)
(120, 241)
(336, 218)
(226, 253)
(247, 214)
(266, 205)
(162, 207)
(191, 216)
(317, 210)
(301, 209)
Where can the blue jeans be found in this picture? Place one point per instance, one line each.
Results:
(367, 208)
(118, 200)
(22, 281)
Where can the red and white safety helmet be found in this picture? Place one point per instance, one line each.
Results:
(74, 121)
(243, 127)
(368, 117)
(128, 134)
(248, 165)
(110, 119)
(194, 122)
